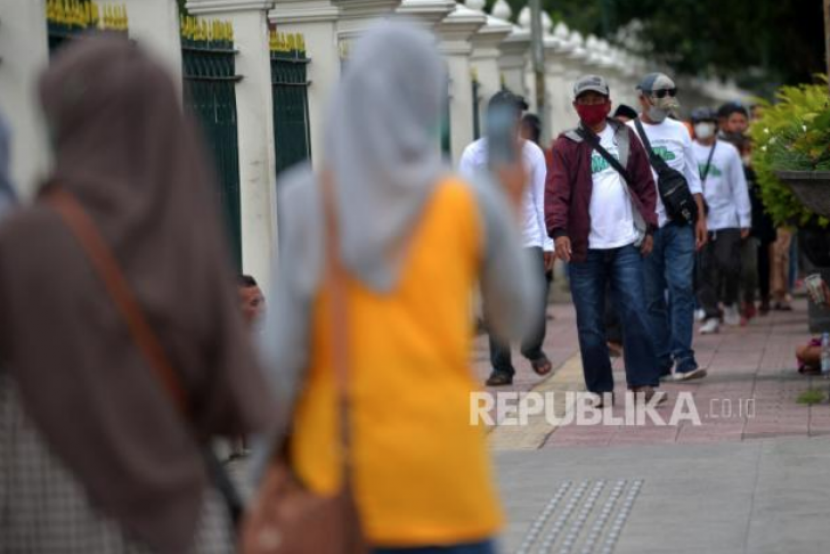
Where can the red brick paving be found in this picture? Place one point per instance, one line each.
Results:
(756, 362)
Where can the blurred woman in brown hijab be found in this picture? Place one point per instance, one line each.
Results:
(94, 456)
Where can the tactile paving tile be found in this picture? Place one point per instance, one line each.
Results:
(586, 517)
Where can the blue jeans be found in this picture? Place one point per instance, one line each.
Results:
(623, 268)
(486, 547)
(670, 268)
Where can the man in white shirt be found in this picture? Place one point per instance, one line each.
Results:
(671, 266)
(535, 239)
(600, 211)
(729, 221)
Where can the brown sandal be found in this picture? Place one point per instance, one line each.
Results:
(542, 366)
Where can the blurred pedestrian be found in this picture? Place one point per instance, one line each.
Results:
(729, 220)
(538, 246)
(407, 242)
(96, 454)
(600, 200)
(670, 268)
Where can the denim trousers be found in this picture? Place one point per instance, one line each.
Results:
(623, 269)
(670, 270)
(486, 547)
(531, 347)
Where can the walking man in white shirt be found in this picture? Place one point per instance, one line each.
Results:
(671, 265)
(536, 241)
(729, 221)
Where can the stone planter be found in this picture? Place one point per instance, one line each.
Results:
(812, 188)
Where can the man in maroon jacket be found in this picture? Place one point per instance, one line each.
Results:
(600, 209)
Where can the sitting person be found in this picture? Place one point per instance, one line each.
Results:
(809, 355)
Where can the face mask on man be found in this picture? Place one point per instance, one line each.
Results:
(704, 130)
(593, 114)
(660, 108)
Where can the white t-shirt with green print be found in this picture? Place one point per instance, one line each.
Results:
(612, 219)
(725, 187)
(672, 142)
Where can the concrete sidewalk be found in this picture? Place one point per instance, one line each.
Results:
(750, 479)
(754, 497)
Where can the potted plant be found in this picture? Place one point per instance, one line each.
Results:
(792, 161)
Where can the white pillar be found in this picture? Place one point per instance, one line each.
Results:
(255, 116)
(558, 87)
(24, 52)
(485, 55)
(454, 33)
(154, 24)
(514, 60)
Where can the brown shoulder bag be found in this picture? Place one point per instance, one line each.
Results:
(286, 517)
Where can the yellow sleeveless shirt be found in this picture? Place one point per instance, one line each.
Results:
(422, 474)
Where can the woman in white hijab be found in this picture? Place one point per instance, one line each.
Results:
(412, 240)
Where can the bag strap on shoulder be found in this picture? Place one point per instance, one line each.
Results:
(594, 141)
(708, 163)
(656, 161)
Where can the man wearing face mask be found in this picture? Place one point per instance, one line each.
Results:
(671, 266)
(600, 209)
(729, 221)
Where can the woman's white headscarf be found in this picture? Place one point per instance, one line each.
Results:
(382, 146)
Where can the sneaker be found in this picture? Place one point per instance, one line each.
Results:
(700, 315)
(666, 377)
(749, 310)
(698, 373)
(598, 400)
(732, 316)
(710, 326)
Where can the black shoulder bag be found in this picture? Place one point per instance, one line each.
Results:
(671, 184)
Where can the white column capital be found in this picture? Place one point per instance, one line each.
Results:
(360, 9)
(488, 38)
(428, 11)
(460, 25)
(215, 7)
(303, 11)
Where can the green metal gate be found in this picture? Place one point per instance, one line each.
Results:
(210, 92)
(289, 83)
(66, 19)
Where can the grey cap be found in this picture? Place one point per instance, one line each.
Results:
(593, 83)
(656, 81)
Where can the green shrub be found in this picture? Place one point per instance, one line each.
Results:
(792, 134)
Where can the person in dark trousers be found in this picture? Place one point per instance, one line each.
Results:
(538, 246)
(602, 222)
(669, 271)
(729, 221)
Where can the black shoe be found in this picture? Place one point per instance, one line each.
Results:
(499, 379)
